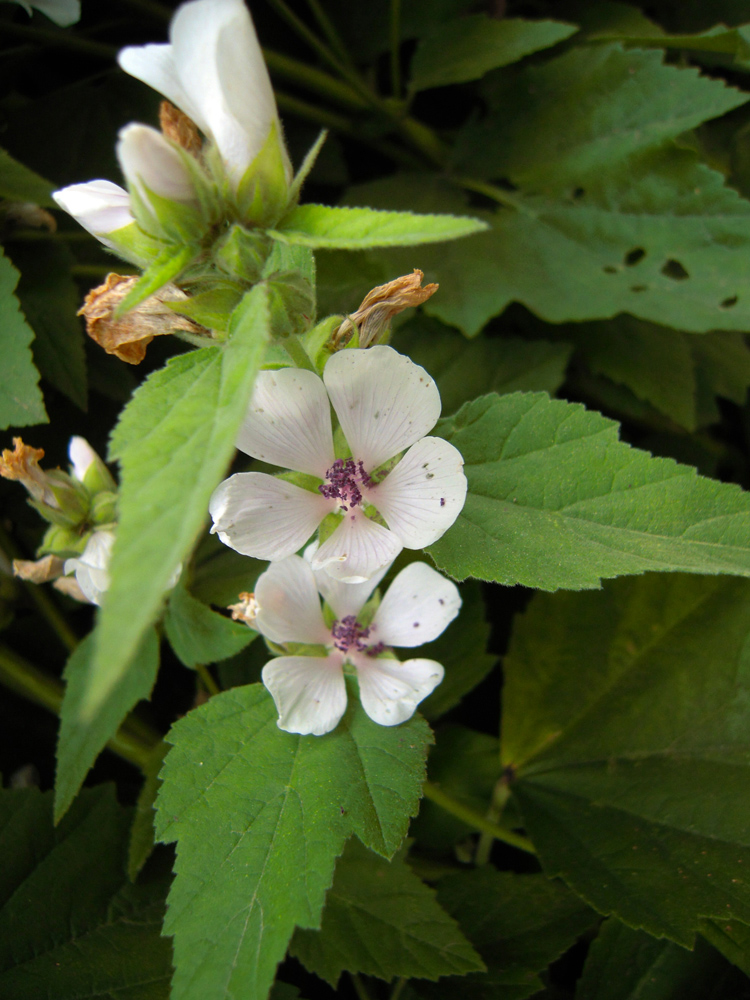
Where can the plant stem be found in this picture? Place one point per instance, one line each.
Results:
(315, 43)
(329, 30)
(298, 354)
(500, 796)
(59, 40)
(25, 679)
(359, 986)
(398, 987)
(475, 820)
(96, 270)
(314, 79)
(396, 48)
(207, 678)
(497, 194)
(44, 603)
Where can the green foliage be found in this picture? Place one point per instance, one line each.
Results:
(380, 919)
(199, 635)
(359, 228)
(18, 183)
(565, 503)
(468, 47)
(235, 788)
(81, 742)
(71, 925)
(624, 718)
(20, 398)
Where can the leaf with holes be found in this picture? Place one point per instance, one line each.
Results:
(557, 500)
(259, 817)
(625, 715)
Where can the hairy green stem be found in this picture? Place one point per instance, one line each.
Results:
(25, 679)
(475, 820)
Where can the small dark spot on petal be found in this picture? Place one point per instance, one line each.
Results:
(416, 625)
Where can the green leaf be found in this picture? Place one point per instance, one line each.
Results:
(557, 500)
(465, 765)
(381, 920)
(142, 831)
(221, 574)
(731, 938)
(80, 743)
(623, 964)
(462, 650)
(624, 721)
(199, 635)
(18, 183)
(174, 442)
(464, 370)
(259, 816)
(468, 47)
(20, 399)
(50, 299)
(70, 928)
(359, 228)
(679, 374)
(518, 923)
(167, 266)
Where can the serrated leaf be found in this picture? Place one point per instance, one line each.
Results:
(174, 442)
(20, 399)
(69, 926)
(465, 765)
(462, 650)
(259, 816)
(381, 920)
(468, 47)
(80, 743)
(18, 183)
(624, 715)
(50, 299)
(199, 635)
(557, 500)
(623, 964)
(359, 228)
(518, 923)
(464, 370)
(142, 831)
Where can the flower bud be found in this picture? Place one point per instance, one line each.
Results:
(101, 207)
(88, 468)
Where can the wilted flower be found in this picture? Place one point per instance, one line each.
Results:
(385, 405)
(309, 690)
(379, 306)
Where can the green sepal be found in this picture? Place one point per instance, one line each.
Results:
(211, 309)
(307, 164)
(104, 508)
(291, 302)
(284, 257)
(327, 526)
(98, 478)
(62, 541)
(242, 253)
(167, 266)
(173, 221)
(317, 341)
(341, 447)
(301, 479)
(135, 246)
(263, 192)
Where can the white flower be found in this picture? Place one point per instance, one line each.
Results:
(310, 691)
(82, 456)
(149, 161)
(214, 71)
(91, 570)
(385, 405)
(101, 207)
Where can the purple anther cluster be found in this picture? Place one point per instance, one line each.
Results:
(344, 479)
(348, 633)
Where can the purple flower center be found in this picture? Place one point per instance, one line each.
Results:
(344, 481)
(349, 634)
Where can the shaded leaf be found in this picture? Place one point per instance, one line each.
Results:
(199, 635)
(20, 399)
(18, 183)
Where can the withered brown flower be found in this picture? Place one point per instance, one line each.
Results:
(379, 307)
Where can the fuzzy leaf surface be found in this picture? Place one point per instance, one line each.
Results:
(80, 743)
(381, 920)
(359, 228)
(259, 817)
(199, 635)
(556, 500)
(624, 720)
(20, 399)
(174, 442)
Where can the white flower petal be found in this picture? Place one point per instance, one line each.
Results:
(390, 691)
(81, 455)
(357, 550)
(384, 401)
(309, 692)
(101, 207)
(424, 494)
(344, 598)
(288, 422)
(265, 517)
(91, 569)
(288, 603)
(155, 66)
(416, 608)
(148, 159)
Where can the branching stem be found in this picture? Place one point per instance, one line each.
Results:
(475, 820)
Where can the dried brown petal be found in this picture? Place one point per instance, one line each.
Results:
(379, 307)
(246, 610)
(69, 586)
(176, 125)
(22, 464)
(39, 571)
(128, 336)
(27, 213)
